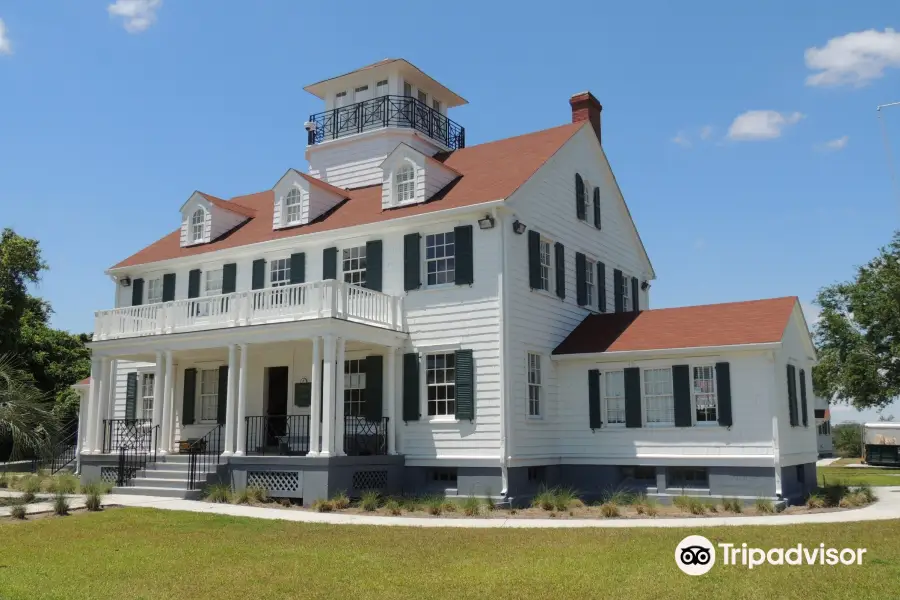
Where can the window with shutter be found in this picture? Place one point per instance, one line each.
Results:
(412, 276)
(560, 268)
(580, 198)
(601, 286)
(597, 207)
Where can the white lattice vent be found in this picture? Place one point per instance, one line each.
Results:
(369, 480)
(274, 481)
(109, 474)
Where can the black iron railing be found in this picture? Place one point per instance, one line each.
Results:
(135, 453)
(204, 454)
(386, 111)
(365, 438)
(279, 434)
(64, 452)
(125, 432)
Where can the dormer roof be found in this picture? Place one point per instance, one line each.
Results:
(223, 204)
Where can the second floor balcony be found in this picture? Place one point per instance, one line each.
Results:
(297, 302)
(383, 112)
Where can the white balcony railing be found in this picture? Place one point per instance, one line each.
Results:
(298, 302)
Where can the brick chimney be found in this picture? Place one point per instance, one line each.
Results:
(586, 108)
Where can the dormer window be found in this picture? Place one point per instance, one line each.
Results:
(198, 220)
(293, 207)
(405, 184)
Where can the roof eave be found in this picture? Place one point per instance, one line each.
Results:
(643, 354)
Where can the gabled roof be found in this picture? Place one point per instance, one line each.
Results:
(316, 182)
(710, 325)
(490, 171)
(224, 204)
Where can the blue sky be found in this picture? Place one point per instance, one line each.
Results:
(112, 113)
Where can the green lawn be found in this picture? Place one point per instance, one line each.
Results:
(859, 475)
(142, 553)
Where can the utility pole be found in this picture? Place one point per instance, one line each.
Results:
(887, 146)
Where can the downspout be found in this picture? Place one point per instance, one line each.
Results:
(776, 444)
(504, 384)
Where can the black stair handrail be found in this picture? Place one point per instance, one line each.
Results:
(64, 452)
(202, 454)
(134, 455)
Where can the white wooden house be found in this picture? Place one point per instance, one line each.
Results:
(414, 314)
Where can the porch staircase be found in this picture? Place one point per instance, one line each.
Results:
(168, 477)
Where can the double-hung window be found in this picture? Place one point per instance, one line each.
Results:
(353, 265)
(405, 184)
(658, 397)
(146, 406)
(704, 390)
(279, 272)
(213, 282)
(614, 397)
(354, 387)
(212, 286)
(154, 290)
(535, 382)
(198, 220)
(209, 394)
(292, 207)
(440, 258)
(626, 293)
(440, 384)
(546, 264)
(589, 283)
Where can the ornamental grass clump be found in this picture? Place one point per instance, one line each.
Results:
(340, 501)
(393, 507)
(61, 505)
(609, 510)
(219, 493)
(258, 494)
(545, 499)
(764, 506)
(370, 501)
(17, 511)
(471, 506)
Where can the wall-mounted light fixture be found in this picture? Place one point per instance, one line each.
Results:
(519, 227)
(645, 285)
(486, 222)
(125, 281)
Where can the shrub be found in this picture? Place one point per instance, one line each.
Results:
(764, 506)
(30, 483)
(27, 497)
(61, 504)
(63, 482)
(815, 500)
(393, 507)
(412, 503)
(241, 497)
(471, 506)
(258, 494)
(434, 505)
(370, 501)
(621, 497)
(17, 511)
(834, 493)
(323, 506)
(219, 492)
(609, 510)
(651, 507)
(449, 506)
(695, 506)
(488, 502)
(867, 493)
(563, 498)
(340, 501)
(544, 499)
(101, 487)
(4, 480)
(681, 502)
(514, 511)
(93, 501)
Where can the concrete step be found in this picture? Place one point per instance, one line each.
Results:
(161, 492)
(168, 466)
(160, 483)
(163, 473)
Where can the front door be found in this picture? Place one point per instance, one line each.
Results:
(277, 408)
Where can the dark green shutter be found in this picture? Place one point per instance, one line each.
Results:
(792, 395)
(681, 390)
(229, 278)
(412, 271)
(374, 386)
(618, 289)
(168, 287)
(580, 204)
(222, 394)
(259, 274)
(137, 292)
(560, 254)
(465, 267)
(131, 395)
(298, 267)
(329, 263)
(190, 396)
(803, 409)
(635, 302)
(580, 278)
(465, 385)
(633, 397)
(411, 387)
(601, 286)
(597, 207)
(374, 265)
(723, 393)
(534, 260)
(594, 412)
(194, 283)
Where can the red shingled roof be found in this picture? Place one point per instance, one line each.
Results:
(235, 208)
(731, 324)
(490, 171)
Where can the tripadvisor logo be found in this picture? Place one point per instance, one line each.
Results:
(696, 555)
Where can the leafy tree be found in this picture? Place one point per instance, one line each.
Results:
(847, 439)
(27, 424)
(858, 334)
(20, 264)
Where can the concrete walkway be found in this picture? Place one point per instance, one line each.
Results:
(44, 503)
(887, 507)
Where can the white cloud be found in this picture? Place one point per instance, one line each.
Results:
(834, 145)
(682, 140)
(854, 59)
(137, 14)
(706, 132)
(5, 44)
(756, 125)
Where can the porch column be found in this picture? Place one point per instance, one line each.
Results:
(91, 425)
(102, 398)
(83, 403)
(229, 401)
(242, 405)
(391, 404)
(158, 397)
(339, 399)
(315, 409)
(112, 377)
(328, 398)
(165, 440)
